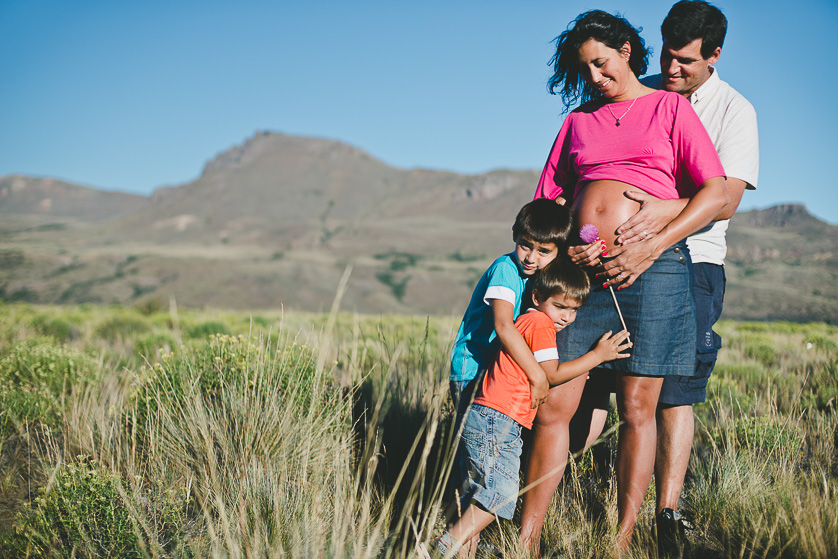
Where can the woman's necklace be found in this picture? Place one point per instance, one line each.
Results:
(617, 123)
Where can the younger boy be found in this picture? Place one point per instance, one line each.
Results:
(491, 437)
(540, 233)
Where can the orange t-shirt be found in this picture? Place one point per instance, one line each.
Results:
(505, 387)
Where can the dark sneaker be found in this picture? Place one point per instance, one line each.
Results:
(485, 550)
(671, 534)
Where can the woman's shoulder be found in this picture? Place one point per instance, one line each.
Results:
(664, 103)
(661, 96)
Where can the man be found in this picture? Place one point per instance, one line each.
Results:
(693, 34)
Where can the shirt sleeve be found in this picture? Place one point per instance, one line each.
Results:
(558, 177)
(543, 341)
(739, 143)
(503, 284)
(695, 155)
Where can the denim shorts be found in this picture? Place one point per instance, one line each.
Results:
(491, 444)
(462, 394)
(659, 310)
(709, 289)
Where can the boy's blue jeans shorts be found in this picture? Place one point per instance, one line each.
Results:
(491, 444)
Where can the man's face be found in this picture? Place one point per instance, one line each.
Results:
(684, 70)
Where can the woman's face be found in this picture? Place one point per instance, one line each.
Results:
(606, 69)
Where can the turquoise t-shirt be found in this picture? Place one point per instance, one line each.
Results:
(474, 347)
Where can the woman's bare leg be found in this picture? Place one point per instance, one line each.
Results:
(548, 456)
(637, 399)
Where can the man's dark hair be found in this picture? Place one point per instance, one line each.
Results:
(612, 31)
(543, 221)
(689, 20)
(562, 277)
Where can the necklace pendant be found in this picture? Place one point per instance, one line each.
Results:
(617, 123)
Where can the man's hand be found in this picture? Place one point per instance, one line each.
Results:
(654, 214)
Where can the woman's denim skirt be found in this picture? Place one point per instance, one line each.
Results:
(659, 310)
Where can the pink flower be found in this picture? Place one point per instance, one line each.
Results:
(588, 233)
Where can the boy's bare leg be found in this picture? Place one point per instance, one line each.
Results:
(637, 399)
(467, 529)
(548, 456)
(676, 427)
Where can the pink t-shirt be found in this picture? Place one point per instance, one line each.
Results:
(657, 140)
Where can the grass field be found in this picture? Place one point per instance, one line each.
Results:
(148, 432)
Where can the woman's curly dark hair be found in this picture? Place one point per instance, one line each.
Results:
(612, 31)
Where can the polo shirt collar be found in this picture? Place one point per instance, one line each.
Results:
(707, 88)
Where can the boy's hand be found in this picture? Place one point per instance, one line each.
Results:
(609, 347)
(539, 390)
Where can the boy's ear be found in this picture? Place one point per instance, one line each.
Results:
(535, 298)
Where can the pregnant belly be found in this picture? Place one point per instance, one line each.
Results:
(603, 204)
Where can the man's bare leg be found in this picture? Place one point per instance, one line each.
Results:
(676, 427)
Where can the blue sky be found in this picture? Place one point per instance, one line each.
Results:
(131, 95)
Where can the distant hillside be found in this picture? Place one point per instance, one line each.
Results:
(275, 221)
(782, 264)
(51, 197)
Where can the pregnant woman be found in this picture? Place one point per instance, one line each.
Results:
(624, 136)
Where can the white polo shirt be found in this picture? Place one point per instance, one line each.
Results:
(731, 122)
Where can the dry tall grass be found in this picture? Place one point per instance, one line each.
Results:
(329, 436)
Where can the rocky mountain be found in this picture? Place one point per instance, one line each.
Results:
(276, 221)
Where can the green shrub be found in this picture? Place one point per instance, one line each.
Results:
(821, 343)
(765, 435)
(762, 351)
(33, 378)
(84, 514)
(151, 306)
(224, 362)
(57, 328)
(154, 344)
(207, 329)
(821, 388)
(26, 404)
(121, 328)
(34, 363)
(725, 388)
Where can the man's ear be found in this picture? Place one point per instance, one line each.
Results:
(713, 58)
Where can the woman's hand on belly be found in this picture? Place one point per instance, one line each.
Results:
(631, 261)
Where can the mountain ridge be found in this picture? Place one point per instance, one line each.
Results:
(275, 220)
